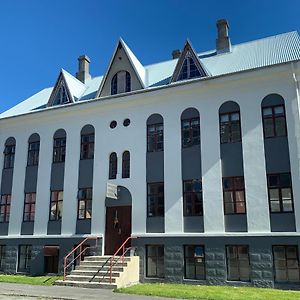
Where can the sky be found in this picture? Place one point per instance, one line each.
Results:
(39, 37)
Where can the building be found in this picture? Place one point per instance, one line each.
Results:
(204, 150)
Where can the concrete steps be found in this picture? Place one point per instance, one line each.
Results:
(94, 272)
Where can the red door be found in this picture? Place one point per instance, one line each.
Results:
(118, 227)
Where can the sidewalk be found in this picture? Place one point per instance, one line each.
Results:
(64, 293)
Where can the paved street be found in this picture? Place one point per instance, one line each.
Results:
(12, 291)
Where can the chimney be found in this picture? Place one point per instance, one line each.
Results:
(176, 53)
(223, 44)
(83, 73)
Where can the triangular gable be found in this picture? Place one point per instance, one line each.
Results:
(137, 68)
(67, 89)
(199, 68)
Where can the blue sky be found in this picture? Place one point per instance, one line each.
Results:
(39, 37)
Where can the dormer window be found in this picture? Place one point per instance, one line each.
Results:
(121, 83)
(61, 96)
(189, 69)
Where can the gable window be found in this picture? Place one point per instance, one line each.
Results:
(62, 96)
(192, 198)
(121, 83)
(280, 193)
(189, 69)
(59, 150)
(33, 154)
(85, 203)
(126, 164)
(155, 192)
(238, 267)
(190, 132)
(113, 165)
(5, 208)
(155, 261)
(24, 258)
(9, 156)
(286, 263)
(274, 121)
(29, 207)
(56, 205)
(230, 127)
(234, 195)
(155, 137)
(194, 262)
(87, 146)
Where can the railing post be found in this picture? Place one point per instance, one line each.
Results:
(110, 276)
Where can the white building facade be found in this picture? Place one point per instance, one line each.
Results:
(204, 149)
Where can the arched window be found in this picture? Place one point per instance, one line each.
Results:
(59, 146)
(113, 165)
(33, 150)
(155, 133)
(189, 69)
(9, 153)
(87, 142)
(126, 164)
(190, 128)
(121, 83)
(61, 96)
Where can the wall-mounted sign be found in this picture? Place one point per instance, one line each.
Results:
(112, 191)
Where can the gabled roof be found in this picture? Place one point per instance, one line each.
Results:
(135, 63)
(188, 48)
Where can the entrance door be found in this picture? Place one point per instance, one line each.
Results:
(118, 227)
(51, 255)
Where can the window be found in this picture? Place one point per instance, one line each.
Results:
(230, 127)
(2, 256)
(29, 207)
(155, 137)
(238, 267)
(286, 263)
(33, 154)
(113, 166)
(155, 261)
(234, 195)
(280, 193)
(274, 121)
(155, 199)
(194, 262)
(85, 203)
(189, 69)
(87, 146)
(56, 205)
(121, 83)
(24, 258)
(62, 96)
(59, 150)
(126, 165)
(192, 198)
(9, 156)
(5, 208)
(190, 132)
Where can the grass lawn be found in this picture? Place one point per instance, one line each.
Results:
(36, 280)
(204, 292)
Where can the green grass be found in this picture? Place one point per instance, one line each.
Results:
(203, 292)
(36, 280)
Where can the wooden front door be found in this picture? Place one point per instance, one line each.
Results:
(118, 227)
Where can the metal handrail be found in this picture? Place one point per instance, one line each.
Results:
(79, 255)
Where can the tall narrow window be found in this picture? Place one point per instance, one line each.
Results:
(280, 193)
(24, 258)
(155, 137)
(2, 256)
(192, 198)
(190, 132)
(274, 121)
(29, 207)
(59, 150)
(189, 69)
(113, 166)
(238, 268)
(33, 154)
(85, 203)
(5, 208)
(87, 146)
(56, 205)
(120, 83)
(230, 127)
(155, 199)
(114, 85)
(286, 263)
(126, 164)
(194, 262)
(9, 156)
(155, 261)
(234, 195)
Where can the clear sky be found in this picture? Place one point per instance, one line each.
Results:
(39, 37)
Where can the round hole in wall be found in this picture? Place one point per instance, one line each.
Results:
(126, 122)
(113, 124)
